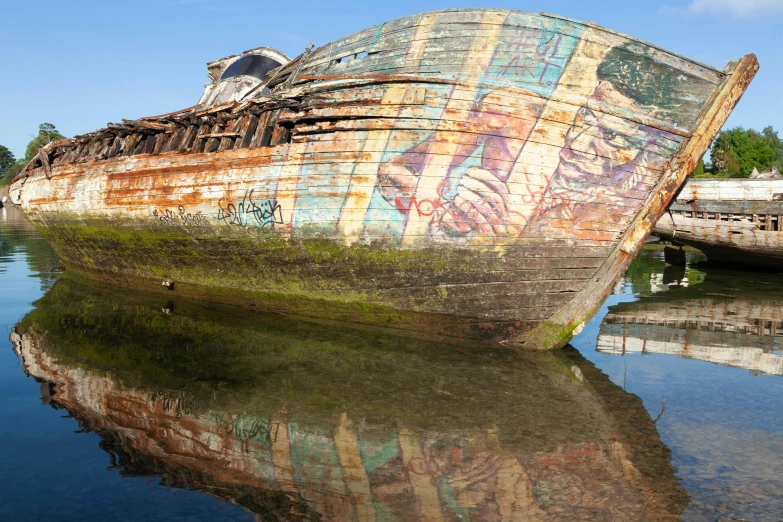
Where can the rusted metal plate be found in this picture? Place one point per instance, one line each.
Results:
(459, 144)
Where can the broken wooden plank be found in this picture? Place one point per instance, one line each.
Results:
(43, 156)
(218, 135)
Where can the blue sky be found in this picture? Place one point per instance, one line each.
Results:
(81, 64)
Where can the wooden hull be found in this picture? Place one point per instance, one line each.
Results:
(730, 220)
(324, 435)
(478, 173)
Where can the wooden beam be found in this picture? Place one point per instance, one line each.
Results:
(146, 124)
(219, 135)
(43, 155)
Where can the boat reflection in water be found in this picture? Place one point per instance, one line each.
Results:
(295, 419)
(735, 320)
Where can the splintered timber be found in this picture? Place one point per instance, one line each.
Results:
(479, 173)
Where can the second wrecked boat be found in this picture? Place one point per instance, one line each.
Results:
(481, 173)
(731, 220)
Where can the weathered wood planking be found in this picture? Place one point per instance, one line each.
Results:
(733, 220)
(732, 190)
(418, 166)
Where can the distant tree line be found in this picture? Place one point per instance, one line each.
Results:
(736, 152)
(10, 166)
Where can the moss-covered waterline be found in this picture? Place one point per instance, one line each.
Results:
(314, 276)
(146, 341)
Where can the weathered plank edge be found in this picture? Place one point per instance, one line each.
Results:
(633, 39)
(567, 322)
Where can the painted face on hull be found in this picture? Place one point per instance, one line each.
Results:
(609, 162)
(596, 144)
(603, 149)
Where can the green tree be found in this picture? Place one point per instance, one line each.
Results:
(7, 160)
(699, 170)
(736, 152)
(773, 140)
(47, 133)
(12, 171)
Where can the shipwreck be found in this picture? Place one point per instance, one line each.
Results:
(736, 221)
(476, 172)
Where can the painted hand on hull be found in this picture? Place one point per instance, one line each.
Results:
(473, 197)
(481, 205)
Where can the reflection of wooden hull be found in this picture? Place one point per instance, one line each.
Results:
(346, 426)
(744, 333)
(621, 339)
(478, 173)
(737, 221)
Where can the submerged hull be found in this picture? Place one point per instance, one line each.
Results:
(730, 220)
(476, 173)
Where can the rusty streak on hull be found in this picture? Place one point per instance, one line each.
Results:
(478, 173)
(731, 220)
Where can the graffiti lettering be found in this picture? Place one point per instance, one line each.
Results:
(179, 217)
(251, 214)
(466, 211)
(179, 403)
(246, 429)
(532, 53)
(546, 51)
(546, 197)
(425, 207)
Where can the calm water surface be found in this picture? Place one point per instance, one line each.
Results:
(126, 406)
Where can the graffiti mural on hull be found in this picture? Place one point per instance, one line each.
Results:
(478, 173)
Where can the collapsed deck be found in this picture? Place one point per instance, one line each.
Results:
(481, 173)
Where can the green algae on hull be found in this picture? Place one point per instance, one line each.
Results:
(316, 277)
